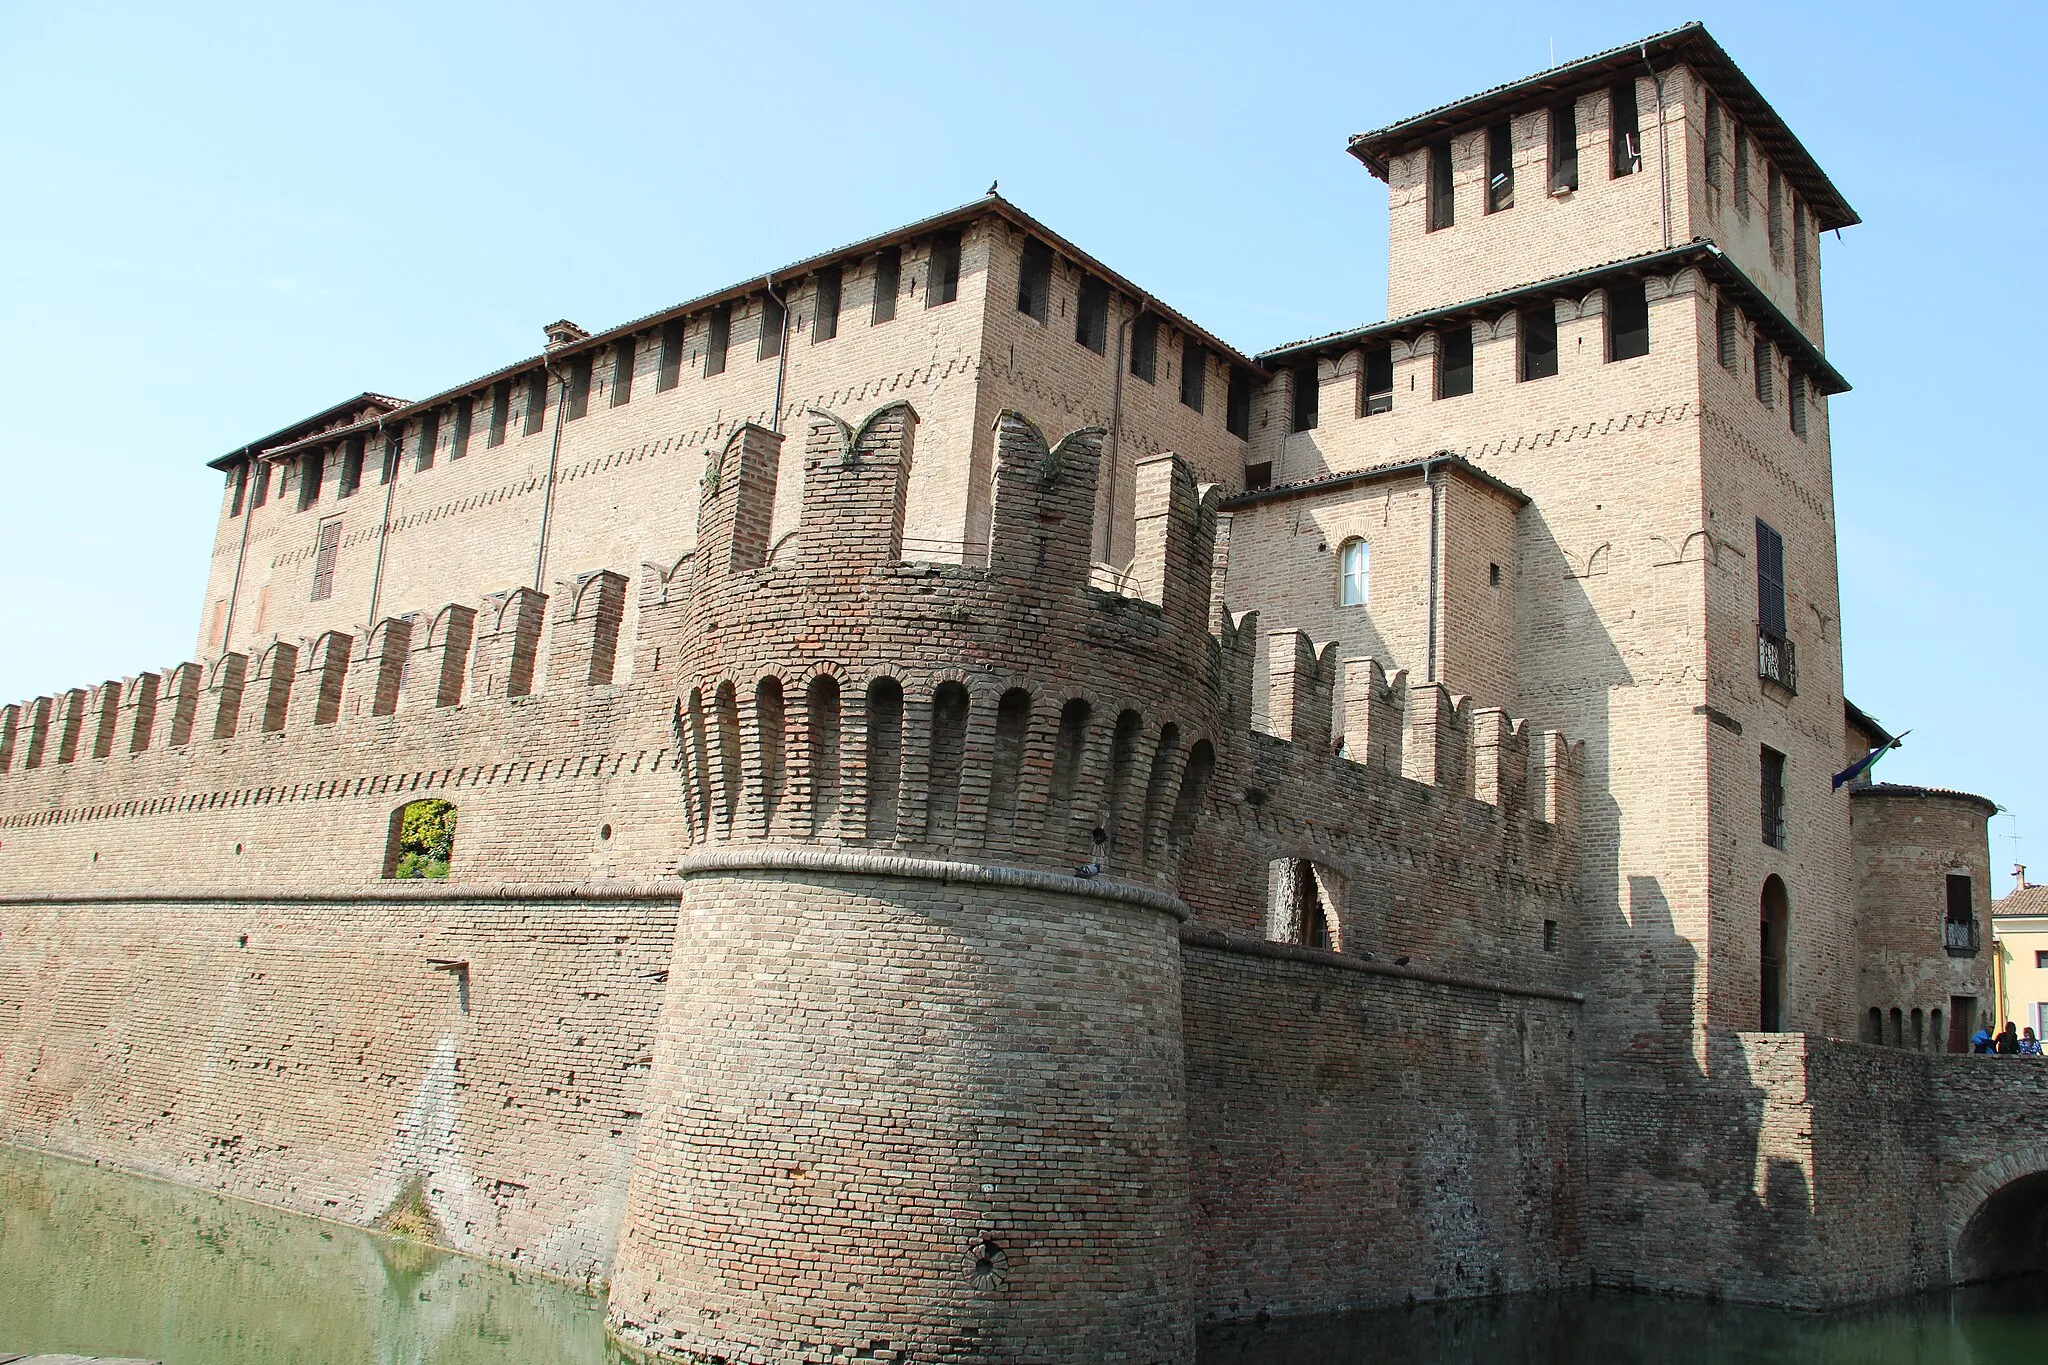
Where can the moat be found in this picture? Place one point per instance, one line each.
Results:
(98, 1262)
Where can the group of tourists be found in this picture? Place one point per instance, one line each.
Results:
(2007, 1042)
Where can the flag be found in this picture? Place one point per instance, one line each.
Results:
(1865, 763)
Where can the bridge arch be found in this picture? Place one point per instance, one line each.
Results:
(1999, 1224)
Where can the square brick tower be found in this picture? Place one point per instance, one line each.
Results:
(1604, 298)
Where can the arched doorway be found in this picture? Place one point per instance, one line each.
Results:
(1776, 925)
(2007, 1235)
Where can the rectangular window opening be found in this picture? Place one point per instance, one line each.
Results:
(1237, 404)
(1194, 373)
(1257, 476)
(1500, 167)
(718, 340)
(1564, 149)
(888, 282)
(351, 467)
(501, 412)
(1628, 320)
(465, 412)
(1799, 251)
(1762, 360)
(579, 386)
(1308, 395)
(312, 469)
(1741, 171)
(1713, 140)
(825, 304)
(261, 478)
(1378, 381)
(536, 402)
(671, 372)
(394, 448)
(1961, 904)
(241, 489)
(774, 317)
(323, 559)
(1034, 281)
(1145, 348)
(1728, 335)
(1774, 797)
(1454, 363)
(1774, 206)
(942, 284)
(1538, 329)
(1795, 402)
(622, 371)
(1091, 315)
(1443, 208)
(1624, 130)
(429, 441)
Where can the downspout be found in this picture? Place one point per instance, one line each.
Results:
(781, 352)
(384, 529)
(241, 552)
(1663, 148)
(1435, 491)
(547, 497)
(1116, 411)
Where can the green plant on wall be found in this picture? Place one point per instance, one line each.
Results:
(426, 840)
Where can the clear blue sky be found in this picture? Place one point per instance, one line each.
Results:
(220, 218)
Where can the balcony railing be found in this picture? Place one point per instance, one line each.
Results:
(1961, 938)
(1775, 660)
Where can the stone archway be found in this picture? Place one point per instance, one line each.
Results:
(1998, 1226)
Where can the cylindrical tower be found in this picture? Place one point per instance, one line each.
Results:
(917, 1087)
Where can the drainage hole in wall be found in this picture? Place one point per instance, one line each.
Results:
(238, 850)
(242, 941)
(604, 831)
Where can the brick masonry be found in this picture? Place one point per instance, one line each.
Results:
(940, 870)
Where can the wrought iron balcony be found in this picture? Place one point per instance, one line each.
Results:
(1961, 937)
(1775, 660)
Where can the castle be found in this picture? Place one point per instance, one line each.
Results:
(991, 825)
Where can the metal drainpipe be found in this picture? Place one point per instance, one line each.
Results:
(547, 497)
(384, 529)
(781, 352)
(1434, 490)
(241, 552)
(1107, 539)
(1663, 149)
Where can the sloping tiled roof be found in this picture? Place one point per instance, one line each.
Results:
(1691, 44)
(1907, 789)
(2024, 900)
(1325, 482)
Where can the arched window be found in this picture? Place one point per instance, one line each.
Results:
(1354, 571)
(1776, 924)
(422, 841)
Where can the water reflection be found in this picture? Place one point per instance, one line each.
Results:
(1982, 1325)
(105, 1264)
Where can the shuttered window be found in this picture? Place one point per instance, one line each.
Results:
(324, 557)
(1728, 334)
(536, 401)
(459, 443)
(1770, 580)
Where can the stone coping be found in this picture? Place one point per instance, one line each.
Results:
(1193, 937)
(850, 862)
(434, 892)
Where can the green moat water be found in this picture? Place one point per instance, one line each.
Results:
(100, 1263)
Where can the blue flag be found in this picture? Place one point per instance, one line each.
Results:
(1868, 761)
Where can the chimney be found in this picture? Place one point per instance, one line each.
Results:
(565, 333)
(2019, 876)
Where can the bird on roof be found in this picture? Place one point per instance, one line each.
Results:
(991, 187)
